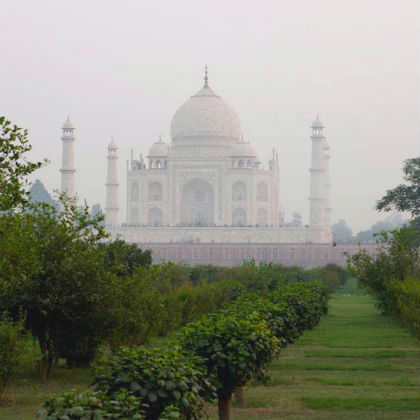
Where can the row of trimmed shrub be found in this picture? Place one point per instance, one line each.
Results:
(392, 275)
(219, 353)
(134, 304)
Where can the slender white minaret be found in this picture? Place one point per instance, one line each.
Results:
(326, 154)
(67, 166)
(111, 209)
(317, 198)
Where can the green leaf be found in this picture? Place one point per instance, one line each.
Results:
(152, 397)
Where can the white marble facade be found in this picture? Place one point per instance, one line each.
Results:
(208, 176)
(209, 185)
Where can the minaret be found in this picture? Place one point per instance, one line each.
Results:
(327, 185)
(317, 198)
(67, 166)
(111, 209)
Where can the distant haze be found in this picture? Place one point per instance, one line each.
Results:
(122, 68)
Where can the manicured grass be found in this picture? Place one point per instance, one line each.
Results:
(27, 393)
(357, 364)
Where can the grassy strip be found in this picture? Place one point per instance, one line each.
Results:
(355, 364)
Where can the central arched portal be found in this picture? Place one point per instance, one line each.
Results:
(197, 206)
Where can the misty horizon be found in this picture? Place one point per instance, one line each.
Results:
(123, 71)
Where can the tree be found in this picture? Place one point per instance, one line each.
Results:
(404, 197)
(233, 349)
(39, 194)
(52, 270)
(341, 233)
(162, 378)
(11, 349)
(392, 222)
(122, 258)
(14, 165)
(396, 259)
(96, 208)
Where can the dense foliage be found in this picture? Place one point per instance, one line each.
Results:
(90, 405)
(54, 277)
(392, 274)
(404, 197)
(161, 378)
(233, 349)
(11, 349)
(14, 165)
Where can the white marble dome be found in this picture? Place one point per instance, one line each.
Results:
(243, 149)
(159, 149)
(205, 117)
(68, 124)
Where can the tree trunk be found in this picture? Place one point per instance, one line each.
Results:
(240, 396)
(225, 407)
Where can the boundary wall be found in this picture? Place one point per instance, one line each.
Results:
(304, 255)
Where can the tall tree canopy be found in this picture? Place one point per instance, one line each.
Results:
(14, 165)
(39, 194)
(404, 197)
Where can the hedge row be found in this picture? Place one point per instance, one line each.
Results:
(218, 353)
(392, 275)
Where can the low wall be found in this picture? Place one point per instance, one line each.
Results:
(217, 234)
(304, 255)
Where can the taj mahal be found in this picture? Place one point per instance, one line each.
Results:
(208, 185)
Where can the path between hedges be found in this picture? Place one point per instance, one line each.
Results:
(356, 364)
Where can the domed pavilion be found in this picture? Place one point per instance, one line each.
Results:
(208, 176)
(209, 186)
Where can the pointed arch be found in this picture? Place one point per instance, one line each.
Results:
(239, 191)
(239, 217)
(155, 216)
(134, 192)
(155, 191)
(262, 217)
(134, 217)
(262, 192)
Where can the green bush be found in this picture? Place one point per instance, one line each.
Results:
(233, 349)
(91, 405)
(161, 378)
(11, 350)
(408, 299)
(309, 301)
(281, 319)
(135, 312)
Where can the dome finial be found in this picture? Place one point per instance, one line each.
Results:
(206, 78)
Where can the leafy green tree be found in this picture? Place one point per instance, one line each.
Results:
(90, 405)
(52, 270)
(123, 258)
(161, 378)
(38, 193)
(136, 312)
(11, 350)
(14, 165)
(233, 349)
(404, 197)
(397, 258)
(309, 301)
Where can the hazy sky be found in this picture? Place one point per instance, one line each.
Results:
(122, 68)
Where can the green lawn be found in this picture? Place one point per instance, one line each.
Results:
(357, 364)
